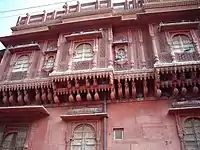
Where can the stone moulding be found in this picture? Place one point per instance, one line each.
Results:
(23, 113)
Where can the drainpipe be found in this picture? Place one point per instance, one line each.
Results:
(105, 124)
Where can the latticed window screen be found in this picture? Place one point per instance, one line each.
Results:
(49, 63)
(21, 64)
(84, 138)
(182, 43)
(192, 134)
(83, 52)
(9, 142)
(13, 140)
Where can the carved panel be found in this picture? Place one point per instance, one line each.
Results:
(165, 57)
(81, 65)
(187, 56)
(18, 75)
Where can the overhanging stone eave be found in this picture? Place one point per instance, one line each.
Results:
(188, 110)
(83, 117)
(22, 113)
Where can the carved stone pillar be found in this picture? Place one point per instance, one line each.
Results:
(133, 89)
(45, 15)
(60, 45)
(145, 87)
(5, 63)
(169, 42)
(131, 46)
(126, 86)
(120, 94)
(142, 48)
(32, 63)
(66, 7)
(28, 18)
(153, 37)
(18, 20)
(195, 39)
(20, 97)
(110, 3)
(98, 5)
(78, 6)
(94, 62)
(5, 98)
(110, 50)
(69, 67)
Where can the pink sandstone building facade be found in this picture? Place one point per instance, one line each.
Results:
(103, 76)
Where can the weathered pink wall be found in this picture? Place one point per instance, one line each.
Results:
(147, 126)
(48, 133)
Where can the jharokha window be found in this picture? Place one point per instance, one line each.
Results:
(84, 138)
(182, 43)
(21, 64)
(192, 134)
(49, 63)
(13, 138)
(83, 52)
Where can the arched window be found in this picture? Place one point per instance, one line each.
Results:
(49, 63)
(21, 64)
(9, 142)
(83, 52)
(182, 43)
(84, 138)
(192, 134)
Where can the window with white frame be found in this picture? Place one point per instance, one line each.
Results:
(22, 64)
(192, 134)
(182, 43)
(49, 63)
(84, 138)
(118, 133)
(83, 52)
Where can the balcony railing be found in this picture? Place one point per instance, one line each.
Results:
(85, 7)
(166, 57)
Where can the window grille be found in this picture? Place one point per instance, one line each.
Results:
(49, 63)
(21, 64)
(84, 138)
(83, 52)
(192, 134)
(182, 43)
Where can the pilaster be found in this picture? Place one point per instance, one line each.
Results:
(153, 38)
(110, 41)
(141, 43)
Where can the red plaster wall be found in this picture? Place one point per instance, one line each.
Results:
(48, 133)
(147, 126)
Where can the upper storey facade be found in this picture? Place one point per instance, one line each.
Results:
(86, 49)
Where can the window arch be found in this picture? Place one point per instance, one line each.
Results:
(192, 134)
(21, 64)
(83, 52)
(182, 43)
(49, 63)
(9, 141)
(84, 138)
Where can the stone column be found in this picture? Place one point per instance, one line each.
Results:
(60, 46)
(110, 50)
(94, 62)
(155, 49)
(142, 48)
(195, 39)
(131, 45)
(71, 52)
(5, 63)
(45, 15)
(28, 18)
